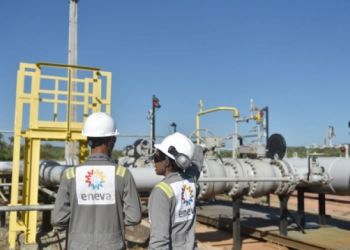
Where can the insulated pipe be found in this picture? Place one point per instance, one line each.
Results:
(242, 176)
(258, 178)
(50, 173)
(6, 166)
(145, 178)
(337, 169)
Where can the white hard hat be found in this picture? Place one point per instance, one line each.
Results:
(99, 125)
(181, 143)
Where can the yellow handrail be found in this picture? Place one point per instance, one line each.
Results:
(201, 112)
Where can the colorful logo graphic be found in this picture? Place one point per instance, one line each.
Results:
(95, 179)
(187, 195)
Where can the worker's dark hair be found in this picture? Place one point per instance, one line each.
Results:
(98, 141)
(173, 166)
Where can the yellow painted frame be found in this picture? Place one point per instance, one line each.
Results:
(48, 130)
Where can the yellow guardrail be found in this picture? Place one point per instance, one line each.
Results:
(201, 112)
(55, 89)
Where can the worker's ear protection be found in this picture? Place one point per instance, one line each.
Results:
(181, 160)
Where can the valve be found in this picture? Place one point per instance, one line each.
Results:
(257, 117)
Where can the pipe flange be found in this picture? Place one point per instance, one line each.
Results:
(253, 184)
(283, 187)
(204, 188)
(293, 176)
(238, 187)
(229, 162)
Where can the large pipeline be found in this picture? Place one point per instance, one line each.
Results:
(237, 177)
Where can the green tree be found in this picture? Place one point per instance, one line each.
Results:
(49, 152)
(116, 154)
(5, 149)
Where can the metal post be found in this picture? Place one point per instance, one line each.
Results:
(322, 209)
(173, 124)
(236, 226)
(71, 147)
(155, 104)
(283, 214)
(151, 131)
(2, 214)
(153, 123)
(266, 109)
(46, 222)
(301, 207)
(268, 200)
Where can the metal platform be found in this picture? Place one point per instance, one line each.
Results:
(262, 222)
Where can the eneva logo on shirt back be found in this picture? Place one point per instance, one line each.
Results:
(187, 199)
(95, 180)
(95, 185)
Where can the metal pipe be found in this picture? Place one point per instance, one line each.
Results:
(26, 208)
(145, 178)
(144, 136)
(3, 196)
(7, 131)
(260, 179)
(266, 109)
(9, 184)
(264, 175)
(201, 112)
(234, 141)
(47, 191)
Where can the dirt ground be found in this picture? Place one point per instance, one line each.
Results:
(209, 237)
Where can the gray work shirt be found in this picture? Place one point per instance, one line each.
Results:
(96, 200)
(172, 211)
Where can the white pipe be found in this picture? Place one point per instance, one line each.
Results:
(26, 208)
(259, 179)
(145, 178)
(237, 177)
(47, 191)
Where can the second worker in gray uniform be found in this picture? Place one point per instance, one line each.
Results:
(97, 198)
(171, 207)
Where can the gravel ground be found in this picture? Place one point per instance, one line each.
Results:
(208, 237)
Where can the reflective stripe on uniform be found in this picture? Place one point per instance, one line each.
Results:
(166, 188)
(120, 171)
(70, 173)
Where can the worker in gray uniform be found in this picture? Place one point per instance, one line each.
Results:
(97, 198)
(171, 207)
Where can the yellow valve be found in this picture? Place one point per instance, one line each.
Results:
(257, 117)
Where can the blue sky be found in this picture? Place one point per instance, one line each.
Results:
(292, 56)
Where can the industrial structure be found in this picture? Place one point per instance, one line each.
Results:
(254, 169)
(37, 91)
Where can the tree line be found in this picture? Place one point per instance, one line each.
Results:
(47, 151)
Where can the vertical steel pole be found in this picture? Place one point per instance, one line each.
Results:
(322, 209)
(46, 220)
(236, 226)
(283, 214)
(71, 147)
(301, 207)
(153, 124)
